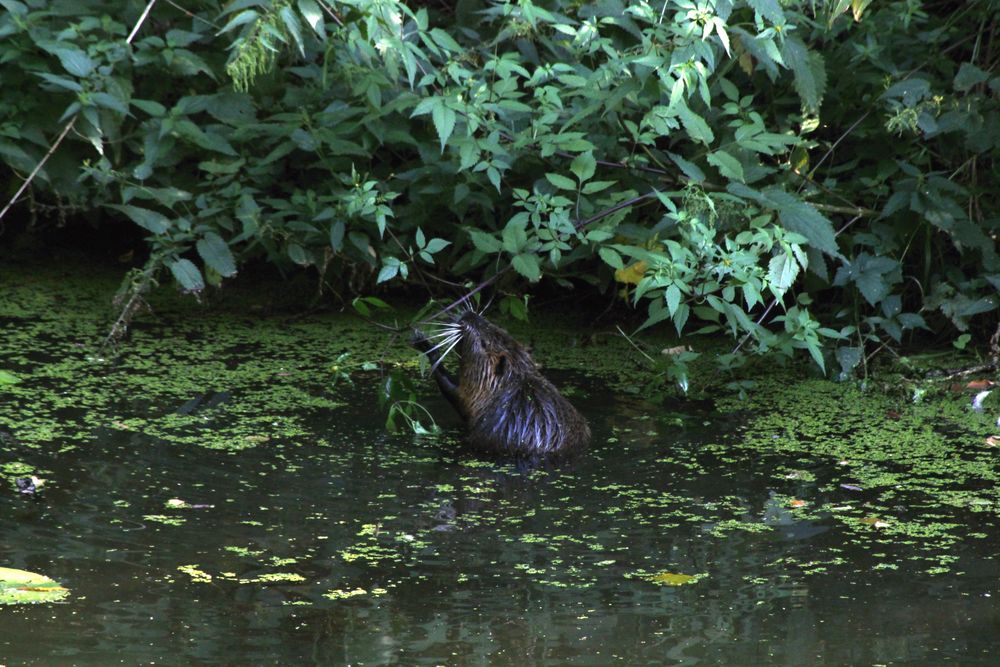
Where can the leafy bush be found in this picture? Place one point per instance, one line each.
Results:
(693, 153)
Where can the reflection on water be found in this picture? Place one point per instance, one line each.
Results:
(368, 549)
(211, 500)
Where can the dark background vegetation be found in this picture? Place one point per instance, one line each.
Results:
(801, 175)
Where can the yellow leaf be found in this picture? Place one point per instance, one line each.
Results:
(858, 7)
(672, 578)
(632, 273)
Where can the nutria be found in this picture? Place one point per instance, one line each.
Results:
(508, 406)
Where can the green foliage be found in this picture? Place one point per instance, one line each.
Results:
(814, 176)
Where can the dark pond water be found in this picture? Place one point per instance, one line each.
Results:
(335, 543)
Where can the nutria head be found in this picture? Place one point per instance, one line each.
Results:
(490, 357)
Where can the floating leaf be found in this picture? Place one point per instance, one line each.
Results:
(673, 578)
(22, 587)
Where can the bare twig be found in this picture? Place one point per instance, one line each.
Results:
(38, 167)
(142, 19)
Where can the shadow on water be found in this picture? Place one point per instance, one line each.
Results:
(368, 548)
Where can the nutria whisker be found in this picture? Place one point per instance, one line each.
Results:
(444, 354)
(445, 330)
(450, 341)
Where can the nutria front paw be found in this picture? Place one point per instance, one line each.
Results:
(418, 339)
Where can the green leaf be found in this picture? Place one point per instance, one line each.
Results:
(444, 122)
(436, 245)
(690, 169)
(298, 254)
(782, 271)
(795, 216)
(313, 15)
(61, 81)
(388, 272)
(337, 235)
(695, 125)
(106, 101)
(768, 9)
(6, 377)
(149, 106)
(484, 242)
(809, 70)
(584, 165)
(187, 274)
(22, 587)
(75, 62)
(215, 251)
(528, 266)
(727, 165)
(561, 182)
(611, 257)
(246, 16)
(673, 298)
(150, 220)
(968, 76)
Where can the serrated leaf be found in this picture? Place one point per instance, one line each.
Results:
(781, 272)
(583, 165)
(695, 125)
(436, 245)
(968, 76)
(187, 274)
(75, 61)
(527, 265)
(561, 182)
(486, 243)
(215, 251)
(611, 257)
(337, 235)
(153, 221)
(673, 298)
(727, 165)
(61, 81)
(596, 186)
(690, 169)
(444, 122)
(388, 272)
(313, 15)
(809, 71)
(108, 101)
(768, 9)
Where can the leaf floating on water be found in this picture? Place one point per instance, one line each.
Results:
(674, 578)
(795, 502)
(23, 587)
(993, 441)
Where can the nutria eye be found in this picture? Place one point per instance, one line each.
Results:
(501, 365)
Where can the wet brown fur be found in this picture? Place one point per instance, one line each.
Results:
(508, 406)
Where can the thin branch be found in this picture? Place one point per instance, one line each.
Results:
(142, 19)
(192, 15)
(38, 167)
